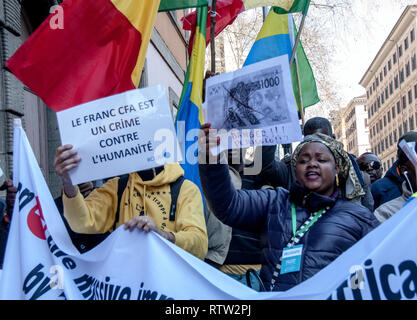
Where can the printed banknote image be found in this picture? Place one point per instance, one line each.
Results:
(253, 100)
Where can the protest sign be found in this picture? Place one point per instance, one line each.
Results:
(119, 134)
(2, 177)
(254, 105)
(41, 262)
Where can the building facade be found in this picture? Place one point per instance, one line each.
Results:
(391, 88)
(351, 127)
(165, 64)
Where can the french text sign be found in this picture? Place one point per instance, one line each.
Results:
(123, 133)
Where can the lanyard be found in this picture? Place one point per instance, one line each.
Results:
(297, 235)
(306, 227)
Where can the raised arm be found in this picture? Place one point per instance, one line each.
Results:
(244, 209)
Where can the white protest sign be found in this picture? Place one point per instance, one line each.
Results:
(254, 105)
(119, 134)
(409, 150)
(2, 177)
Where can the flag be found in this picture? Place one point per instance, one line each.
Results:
(276, 38)
(100, 51)
(228, 10)
(168, 5)
(190, 115)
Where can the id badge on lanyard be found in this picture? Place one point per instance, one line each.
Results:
(291, 259)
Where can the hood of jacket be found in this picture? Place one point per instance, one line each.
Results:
(393, 175)
(170, 173)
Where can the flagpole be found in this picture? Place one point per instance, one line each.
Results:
(297, 39)
(213, 35)
(294, 59)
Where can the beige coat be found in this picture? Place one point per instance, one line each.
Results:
(388, 209)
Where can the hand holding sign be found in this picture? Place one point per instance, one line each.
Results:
(65, 160)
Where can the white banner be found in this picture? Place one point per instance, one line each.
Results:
(123, 133)
(42, 263)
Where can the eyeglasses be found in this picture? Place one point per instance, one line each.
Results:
(374, 165)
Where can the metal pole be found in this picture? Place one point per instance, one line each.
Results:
(264, 12)
(299, 94)
(294, 59)
(297, 40)
(212, 36)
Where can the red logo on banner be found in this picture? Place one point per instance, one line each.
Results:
(36, 222)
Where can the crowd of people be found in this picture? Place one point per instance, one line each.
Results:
(270, 231)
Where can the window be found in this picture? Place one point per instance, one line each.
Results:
(385, 121)
(382, 98)
(404, 100)
(389, 65)
(396, 82)
(395, 135)
(380, 124)
(405, 126)
(407, 69)
(400, 50)
(386, 93)
(389, 116)
(415, 91)
(391, 88)
(380, 76)
(386, 143)
(406, 43)
(366, 123)
(400, 130)
(385, 71)
(413, 62)
(390, 139)
(411, 123)
(394, 58)
(412, 35)
(393, 112)
(410, 97)
(402, 75)
(398, 107)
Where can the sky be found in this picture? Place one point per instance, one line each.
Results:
(358, 46)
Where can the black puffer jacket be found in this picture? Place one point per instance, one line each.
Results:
(269, 212)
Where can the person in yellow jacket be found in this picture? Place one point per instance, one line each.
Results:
(145, 204)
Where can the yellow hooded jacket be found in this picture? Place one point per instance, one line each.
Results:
(96, 213)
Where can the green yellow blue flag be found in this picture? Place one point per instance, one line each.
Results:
(276, 38)
(190, 115)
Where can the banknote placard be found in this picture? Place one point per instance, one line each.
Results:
(123, 133)
(254, 105)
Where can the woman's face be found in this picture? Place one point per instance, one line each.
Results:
(316, 168)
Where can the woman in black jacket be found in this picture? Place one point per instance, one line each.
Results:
(307, 227)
